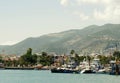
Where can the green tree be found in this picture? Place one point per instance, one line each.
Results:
(81, 58)
(14, 63)
(29, 51)
(72, 52)
(34, 59)
(89, 59)
(46, 59)
(44, 54)
(28, 58)
(117, 54)
(104, 59)
(77, 59)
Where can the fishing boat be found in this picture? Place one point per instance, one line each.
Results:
(66, 68)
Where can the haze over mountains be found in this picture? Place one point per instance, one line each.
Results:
(90, 39)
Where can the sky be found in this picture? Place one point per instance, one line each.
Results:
(20, 19)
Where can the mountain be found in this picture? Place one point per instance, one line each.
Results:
(90, 39)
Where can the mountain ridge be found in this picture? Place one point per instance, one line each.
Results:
(89, 39)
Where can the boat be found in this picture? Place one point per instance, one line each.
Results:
(115, 68)
(64, 70)
(86, 67)
(102, 71)
(87, 70)
(69, 67)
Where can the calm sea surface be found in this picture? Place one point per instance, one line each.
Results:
(34, 76)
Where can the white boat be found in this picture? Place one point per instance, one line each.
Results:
(87, 67)
(101, 71)
(87, 70)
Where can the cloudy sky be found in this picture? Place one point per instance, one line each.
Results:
(20, 19)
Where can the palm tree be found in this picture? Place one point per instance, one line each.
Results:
(89, 59)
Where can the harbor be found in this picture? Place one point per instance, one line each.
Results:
(72, 63)
(83, 68)
(59, 41)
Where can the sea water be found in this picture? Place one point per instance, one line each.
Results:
(40, 76)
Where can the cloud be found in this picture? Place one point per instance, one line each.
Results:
(64, 2)
(97, 10)
(82, 16)
(87, 1)
(94, 1)
(107, 14)
(110, 13)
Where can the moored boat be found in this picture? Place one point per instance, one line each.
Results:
(115, 68)
(87, 70)
(102, 71)
(64, 70)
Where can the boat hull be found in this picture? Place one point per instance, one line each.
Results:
(64, 71)
(87, 71)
